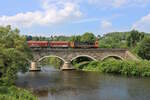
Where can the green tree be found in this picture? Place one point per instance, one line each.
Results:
(75, 38)
(88, 37)
(144, 48)
(134, 38)
(14, 54)
(113, 40)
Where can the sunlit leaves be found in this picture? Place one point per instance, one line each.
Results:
(144, 48)
(13, 54)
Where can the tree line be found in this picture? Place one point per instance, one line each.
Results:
(86, 37)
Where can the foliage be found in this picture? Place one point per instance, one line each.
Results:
(88, 37)
(51, 38)
(14, 54)
(129, 68)
(134, 38)
(75, 38)
(59, 38)
(114, 40)
(14, 93)
(144, 48)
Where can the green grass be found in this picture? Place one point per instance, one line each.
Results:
(14, 93)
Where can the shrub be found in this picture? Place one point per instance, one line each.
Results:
(128, 68)
(111, 66)
(14, 93)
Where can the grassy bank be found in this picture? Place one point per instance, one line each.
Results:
(14, 93)
(129, 68)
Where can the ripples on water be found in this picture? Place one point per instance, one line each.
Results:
(51, 84)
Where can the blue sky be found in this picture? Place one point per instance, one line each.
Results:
(72, 17)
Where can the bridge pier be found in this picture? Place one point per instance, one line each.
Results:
(34, 67)
(67, 66)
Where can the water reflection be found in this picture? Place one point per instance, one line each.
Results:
(51, 84)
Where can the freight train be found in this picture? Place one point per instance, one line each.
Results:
(61, 44)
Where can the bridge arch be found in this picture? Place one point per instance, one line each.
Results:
(114, 56)
(83, 56)
(52, 56)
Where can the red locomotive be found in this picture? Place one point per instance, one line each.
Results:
(61, 44)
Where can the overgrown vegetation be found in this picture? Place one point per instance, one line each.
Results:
(14, 93)
(14, 53)
(129, 68)
(144, 48)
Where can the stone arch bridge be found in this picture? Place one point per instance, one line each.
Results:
(67, 55)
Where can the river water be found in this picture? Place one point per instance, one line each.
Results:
(51, 84)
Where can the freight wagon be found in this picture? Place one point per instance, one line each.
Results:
(61, 44)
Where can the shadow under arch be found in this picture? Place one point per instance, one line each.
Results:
(92, 58)
(113, 56)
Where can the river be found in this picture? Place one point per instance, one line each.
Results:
(51, 84)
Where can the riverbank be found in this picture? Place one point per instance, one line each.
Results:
(128, 68)
(15, 93)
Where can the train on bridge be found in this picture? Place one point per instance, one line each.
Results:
(61, 44)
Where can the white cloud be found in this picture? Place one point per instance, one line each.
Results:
(119, 3)
(143, 24)
(53, 11)
(87, 20)
(106, 25)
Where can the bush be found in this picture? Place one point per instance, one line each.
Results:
(128, 68)
(143, 49)
(111, 66)
(92, 66)
(14, 93)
